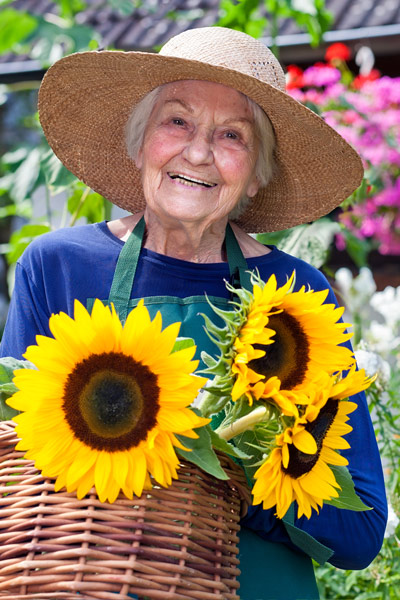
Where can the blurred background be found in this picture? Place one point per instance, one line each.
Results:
(342, 60)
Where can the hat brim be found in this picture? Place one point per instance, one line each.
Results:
(85, 101)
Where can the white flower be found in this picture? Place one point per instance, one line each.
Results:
(382, 338)
(387, 303)
(364, 283)
(392, 522)
(357, 291)
(373, 364)
(344, 280)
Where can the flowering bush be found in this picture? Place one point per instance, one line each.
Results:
(376, 316)
(365, 110)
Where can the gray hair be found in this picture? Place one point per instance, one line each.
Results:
(265, 166)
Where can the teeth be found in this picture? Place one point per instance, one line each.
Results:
(191, 181)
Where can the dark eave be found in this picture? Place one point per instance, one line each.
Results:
(375, 23)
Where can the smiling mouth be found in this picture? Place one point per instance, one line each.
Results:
(190, 181)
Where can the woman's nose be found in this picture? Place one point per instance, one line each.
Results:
(198, 149)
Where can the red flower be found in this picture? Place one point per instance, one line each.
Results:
(337, 51)
(361, 79)
(294, 77)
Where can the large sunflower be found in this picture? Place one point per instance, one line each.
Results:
(302, 336)
(298, 467)
(104, 405)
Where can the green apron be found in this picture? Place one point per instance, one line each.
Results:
(269, 571)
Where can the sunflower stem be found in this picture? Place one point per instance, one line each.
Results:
(242, 424)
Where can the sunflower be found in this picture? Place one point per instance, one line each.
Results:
(302, 337)
(298, 467)
(105, 404)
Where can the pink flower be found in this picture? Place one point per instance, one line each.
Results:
(320, 76)
(367, 115)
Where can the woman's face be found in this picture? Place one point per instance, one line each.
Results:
(199, 152)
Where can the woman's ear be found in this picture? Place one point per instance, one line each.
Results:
(253, 187)
(139, 159)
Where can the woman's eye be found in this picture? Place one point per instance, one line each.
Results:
(231, 135)
(178, 121)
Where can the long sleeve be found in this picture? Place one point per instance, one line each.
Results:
(355, 537)
(27, 316)
(79, 263)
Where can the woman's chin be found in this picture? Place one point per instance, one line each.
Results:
(190, 212)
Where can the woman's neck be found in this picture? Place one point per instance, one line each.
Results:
(186, 241)
(192, 241)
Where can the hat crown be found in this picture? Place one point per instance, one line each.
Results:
(227, 48)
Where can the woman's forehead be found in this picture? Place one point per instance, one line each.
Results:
(192, 93)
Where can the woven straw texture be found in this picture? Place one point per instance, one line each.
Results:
(178, 543)
(86, 98)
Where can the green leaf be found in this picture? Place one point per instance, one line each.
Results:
(8, 365)
(347, 496)
(69, 7)
(202, 453)
(357, 248)
(224, 446)
(57, 177)
(22, 238)
(15, 156)
(25, 176)
(52, 40)
(182, 343)
(15, 27)
(124, 7)
(87, 204)
(24, 210)
(8, 388)
(6, 412)
(311, 243)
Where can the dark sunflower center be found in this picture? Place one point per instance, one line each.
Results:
(288, 356)
(301, 463)
(111, 401)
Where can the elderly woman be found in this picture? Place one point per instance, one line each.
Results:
(202, 145)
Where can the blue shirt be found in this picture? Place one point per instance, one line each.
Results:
(79, 263)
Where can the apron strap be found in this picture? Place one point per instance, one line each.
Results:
(121, 287)
(305, 541)
(125, 270)
(238, 269)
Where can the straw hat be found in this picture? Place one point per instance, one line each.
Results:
(86, 98)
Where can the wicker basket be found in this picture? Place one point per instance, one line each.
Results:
(178, 543)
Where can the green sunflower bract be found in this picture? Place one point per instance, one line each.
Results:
(109, 405)
(284, 351)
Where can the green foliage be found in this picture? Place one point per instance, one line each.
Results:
(21, 238)
(348, 498)
(27, 170)
(258, 17)
(31, 167)
(7, 387)
(379, 581)
(15, 26)
(125, 7)
(308, 242)
(53, 40)
(69, 8)
(244, 15)
(224, 446)
(83, 202)
(201, 452)
(357, 248)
